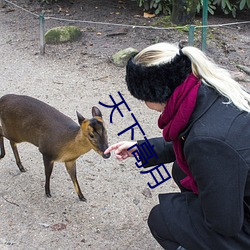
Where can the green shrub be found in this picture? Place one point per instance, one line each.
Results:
(157, 6)
(227, 6)
(232, 6)
(211, 7)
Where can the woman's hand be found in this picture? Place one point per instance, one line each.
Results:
(120, 148)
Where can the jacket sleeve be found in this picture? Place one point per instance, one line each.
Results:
(164, 151)
(220, 173)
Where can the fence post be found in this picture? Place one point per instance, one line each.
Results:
(204, 24)
(191, 35)
(2, 3)
(42, 31)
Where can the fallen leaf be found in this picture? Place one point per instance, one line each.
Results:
(147, 15)
(58, 227)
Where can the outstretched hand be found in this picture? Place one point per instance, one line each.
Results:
(121, 152)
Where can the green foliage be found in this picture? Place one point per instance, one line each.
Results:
(157, 6)
(165, 6)
(244, 4)
(226, 6)
(211, 7)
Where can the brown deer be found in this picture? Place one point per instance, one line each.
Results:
(59, 138)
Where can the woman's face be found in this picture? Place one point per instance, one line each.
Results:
(156, 106)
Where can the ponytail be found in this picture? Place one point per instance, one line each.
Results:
(218, 78)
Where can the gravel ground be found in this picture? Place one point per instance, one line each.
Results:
(76, 76)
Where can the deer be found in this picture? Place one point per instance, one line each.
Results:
(58, 138)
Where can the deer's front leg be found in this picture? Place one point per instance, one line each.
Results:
(71, 168)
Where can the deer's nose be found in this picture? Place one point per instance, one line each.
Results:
(106, 156)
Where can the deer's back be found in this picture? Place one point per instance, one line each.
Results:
(24, 118)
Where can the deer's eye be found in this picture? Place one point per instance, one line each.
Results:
(91, 136)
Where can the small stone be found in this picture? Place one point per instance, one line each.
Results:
(2, 3)
(62, 34)
(9, 243)
(44, 225)
(239, 76)
(147, 193)
(121, 58)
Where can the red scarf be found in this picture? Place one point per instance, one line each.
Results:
(174, 119)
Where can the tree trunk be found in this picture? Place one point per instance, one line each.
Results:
(183, 11)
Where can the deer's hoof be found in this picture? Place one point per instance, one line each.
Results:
(48, 195)
(82, 198)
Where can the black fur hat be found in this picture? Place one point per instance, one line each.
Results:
(156, 83)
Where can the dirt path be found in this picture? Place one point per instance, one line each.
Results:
(76, 77)
(115, 214)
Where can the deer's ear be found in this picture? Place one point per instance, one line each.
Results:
(80, 118)
(96, 112)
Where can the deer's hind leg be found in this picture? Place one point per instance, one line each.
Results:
(48, 164)
(18, 161)
(1, 144)
(71, 168)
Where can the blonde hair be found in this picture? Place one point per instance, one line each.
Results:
(202, 67)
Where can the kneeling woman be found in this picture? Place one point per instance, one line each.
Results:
(205, 119)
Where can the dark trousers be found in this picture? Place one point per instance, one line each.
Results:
(156, 223)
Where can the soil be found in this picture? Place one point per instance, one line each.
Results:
(76, 76)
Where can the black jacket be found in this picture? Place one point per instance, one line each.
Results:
(216, 145)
